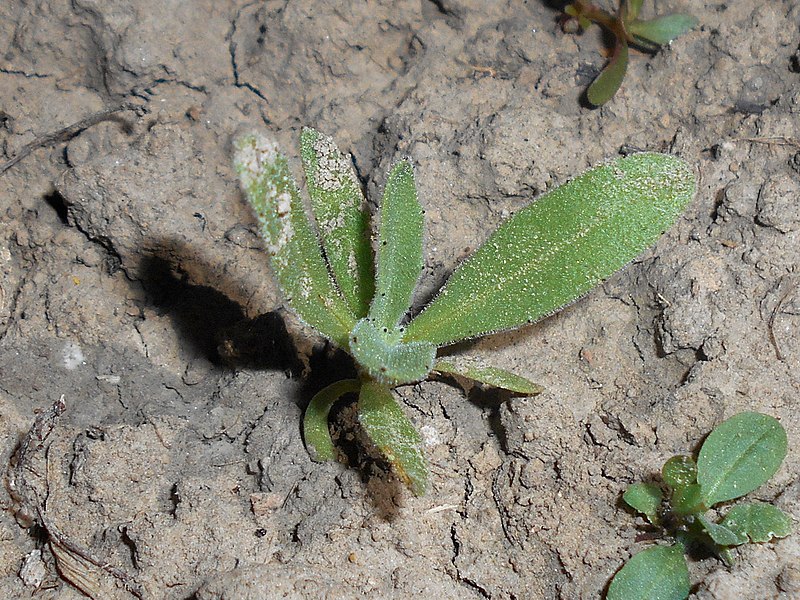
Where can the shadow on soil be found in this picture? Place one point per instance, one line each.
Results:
(217, 328)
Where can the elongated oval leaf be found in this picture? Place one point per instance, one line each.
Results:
(477, 370)
(558, 248)
(720, 534)
(679, 471)
(740, 455)
(646, 498)
(658, 573)
(381, 353)
(315, 421)
(338, 207)
(662, 30)
(758, 521)
(393, 434)
(399, 262)
(291, 242)
(610, 79)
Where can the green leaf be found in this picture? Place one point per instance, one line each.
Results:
(758, 521)
(294, 249)
(646, 498)
(688, 500)
(338, 207)
(726, 555)
(610, 79)
(658, 573)
(633, 8)
(740, 455)
(720, 534)
(662, 30)
(315, 421)
(393, 434)
(679, 471)
(558, 248)
(385, 357)
(399, 248)
(477, 370)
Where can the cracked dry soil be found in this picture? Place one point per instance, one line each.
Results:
(134, 285)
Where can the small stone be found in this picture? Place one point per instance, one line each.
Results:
(33, 571)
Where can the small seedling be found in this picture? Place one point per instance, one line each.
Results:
(627, 29)
(737, 457)
(544, 257)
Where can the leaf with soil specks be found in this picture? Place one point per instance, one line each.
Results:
(758, 521)
(389, 360)
(687, 499)
(658, 573)
(338, 207)
(646, 498)
(393, 434)
(293, 246)
(740, 455)
(399, 261)
(477, 370)
(558, 248)
(679, 471)
(721, 535)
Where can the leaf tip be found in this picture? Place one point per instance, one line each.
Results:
(253, 153)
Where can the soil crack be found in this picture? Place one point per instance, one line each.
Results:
(25, 73)
(232, 46)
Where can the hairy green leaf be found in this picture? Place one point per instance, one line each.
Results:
(290, 239)
(393, 434)
(758, 521)
(399, 247)
(720, 534)
(610, 79)
(385, 357)
(658, 573)
(558, 248)
(477, 370)
(740, 455)
(662, 30)
(646, 498)
(679, 471)
(338, 207)
(315, 421)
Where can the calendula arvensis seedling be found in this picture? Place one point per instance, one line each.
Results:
(628, 30)
(739, 456)
(544, 257)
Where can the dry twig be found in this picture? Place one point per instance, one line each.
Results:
(67, 133)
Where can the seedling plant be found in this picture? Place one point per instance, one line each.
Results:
(737, 457)
(357, 291)
(627, 29)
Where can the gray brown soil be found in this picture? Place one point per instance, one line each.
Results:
(134, 285)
